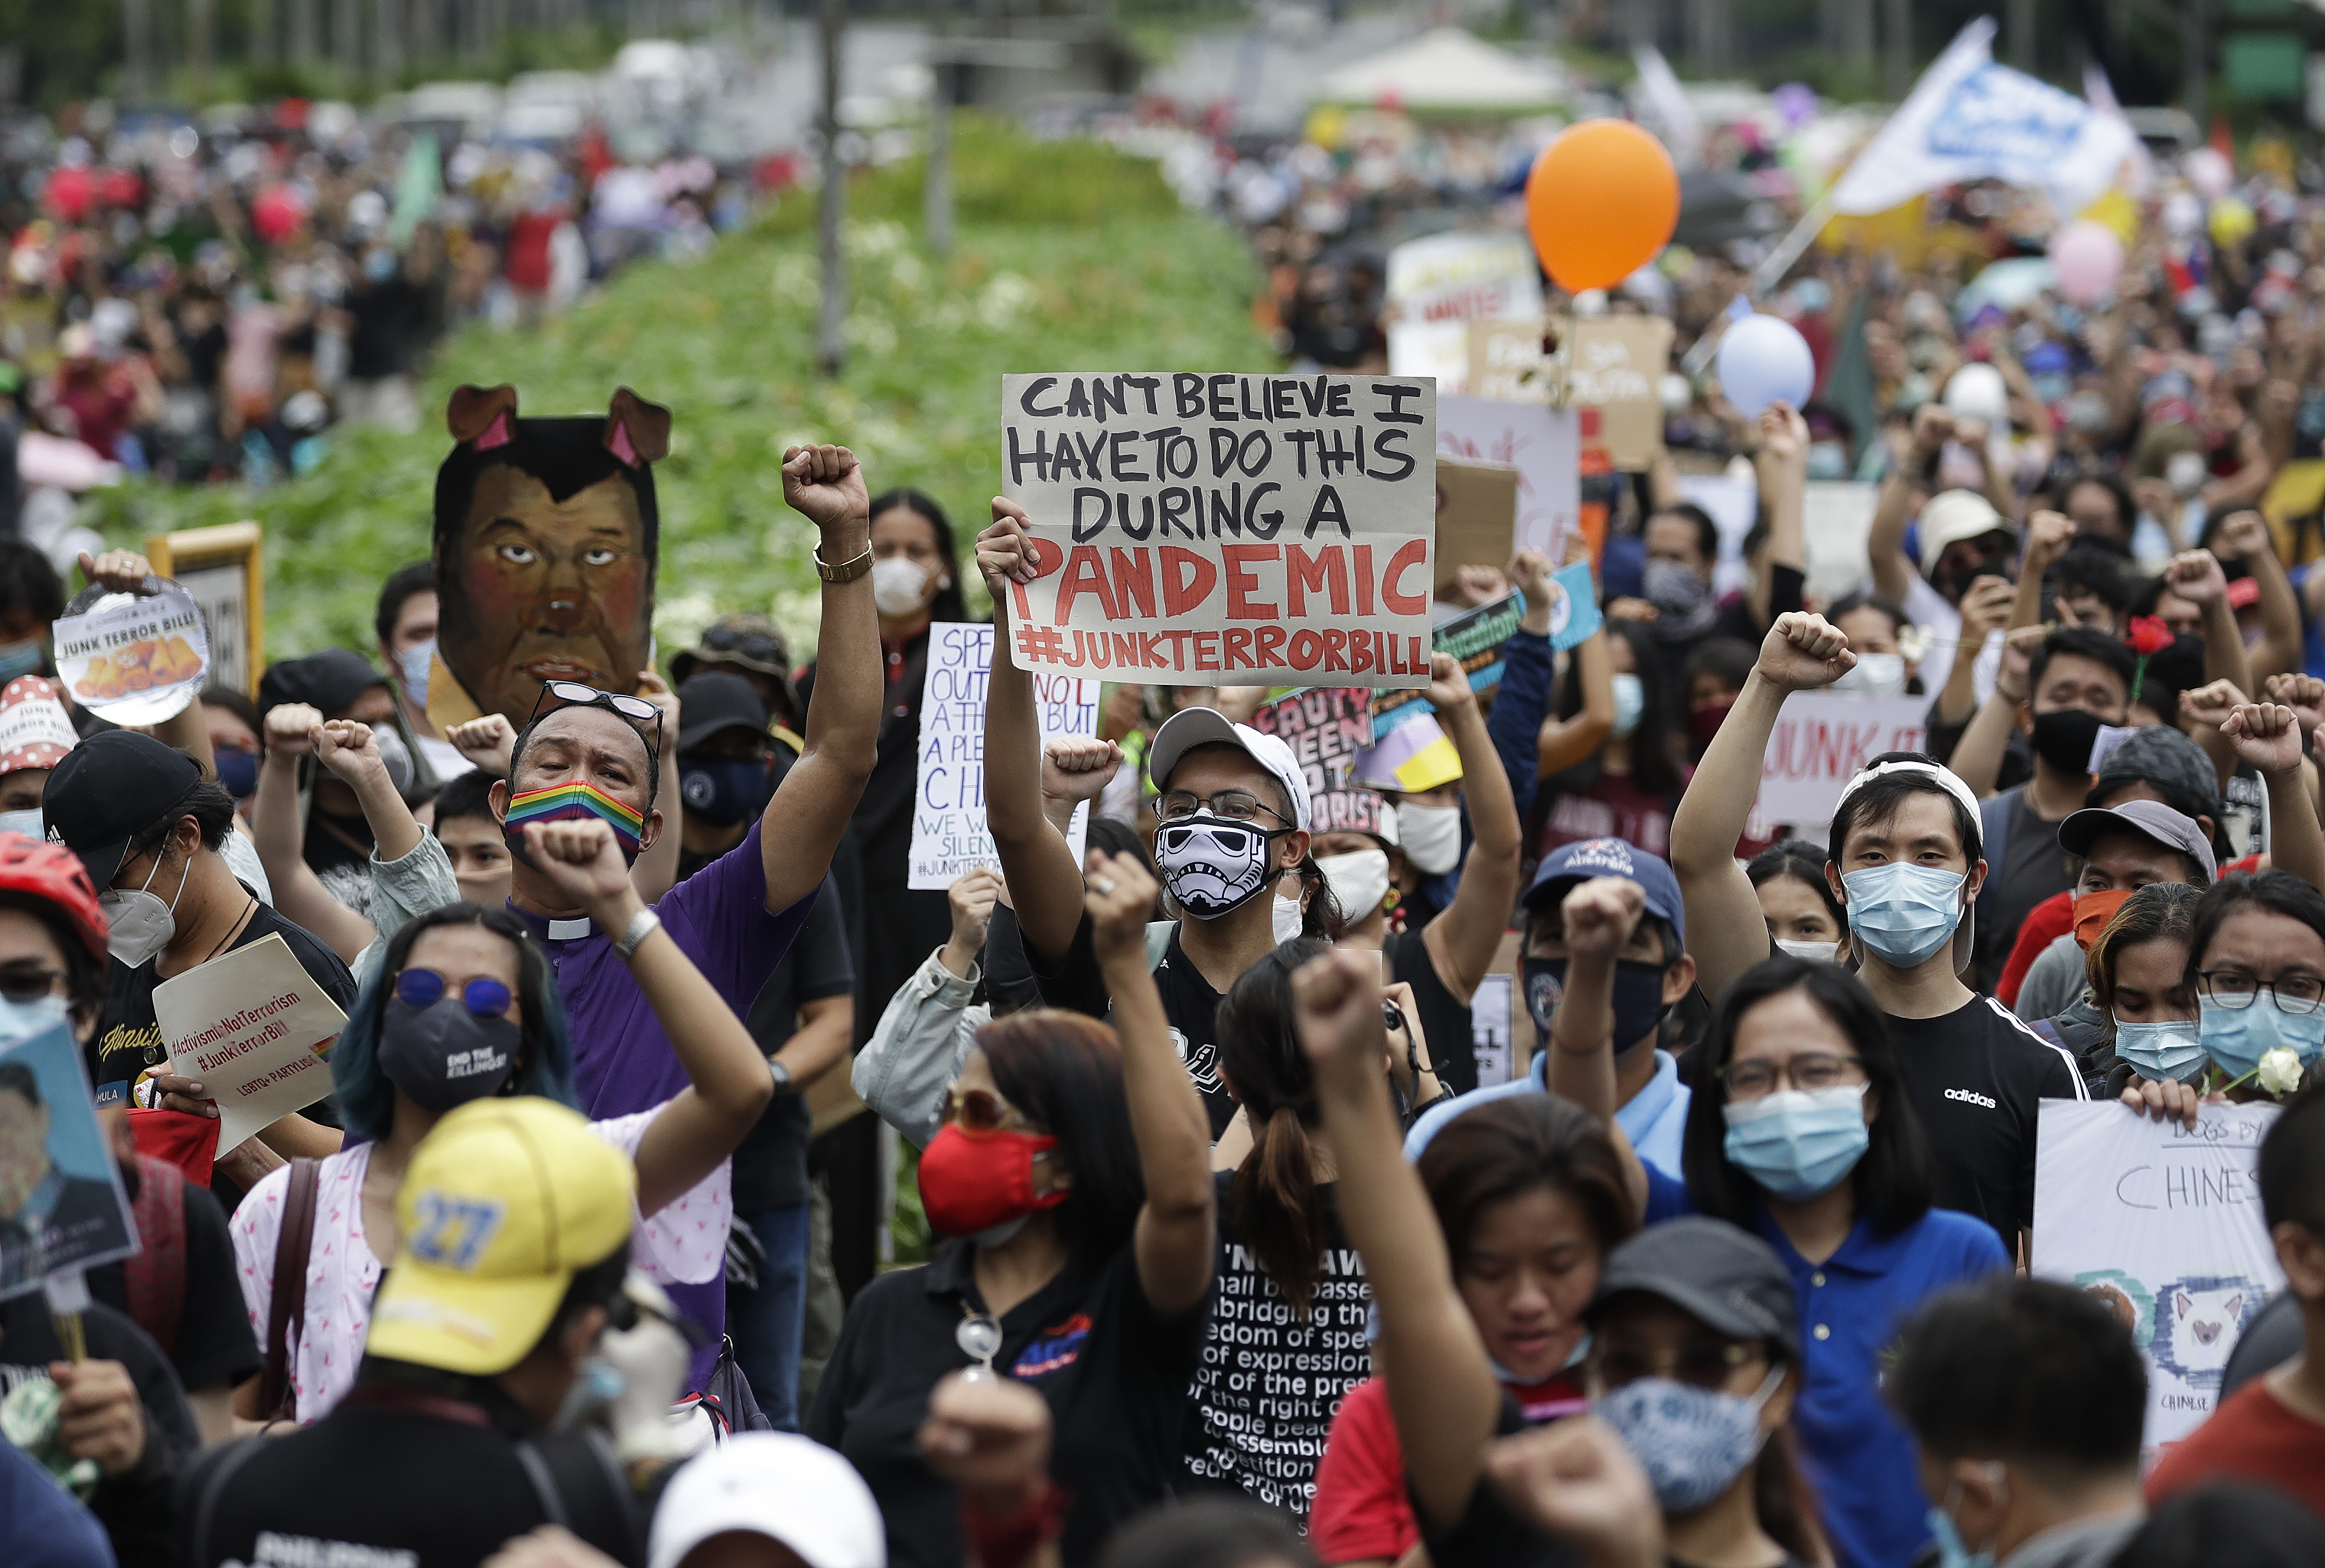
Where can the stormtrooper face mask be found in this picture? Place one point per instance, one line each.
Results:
(1213, 866)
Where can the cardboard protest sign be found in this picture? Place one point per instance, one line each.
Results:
(1822, 739)
(1327, 728)
(1413, 755)
(1476, 638)
(135, 659)
(1543, 443)
(1258, 529)
(1464, 277)
(2163, 1225)
(61, 1206)
(1477, 516)
(948, 832)
(1613, 363)
(248, 1024)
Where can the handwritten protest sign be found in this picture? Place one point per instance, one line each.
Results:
(1476, 638)
(2163, 1225)
(1543, 443)
(1327, 728)
(247, 1025)
(1476, 517)
(948, 832)
(1464, 277)
(1822, 739)
(137, 659)
(1263, 530)
(61, 1208)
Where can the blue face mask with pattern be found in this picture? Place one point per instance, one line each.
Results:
(1693, 1443)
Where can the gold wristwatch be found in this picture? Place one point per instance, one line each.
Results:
(847, 571)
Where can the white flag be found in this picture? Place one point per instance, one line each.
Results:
(1969, 118)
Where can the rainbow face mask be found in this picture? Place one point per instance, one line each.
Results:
(572, 803)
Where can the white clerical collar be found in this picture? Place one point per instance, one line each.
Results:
(568, 930)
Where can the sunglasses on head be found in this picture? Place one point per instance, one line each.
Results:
(572, 694)
(417, 988)
(755, 645)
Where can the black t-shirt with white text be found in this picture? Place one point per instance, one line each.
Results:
(1975, 1077)
(1271, 1381)
(1189, 1003)
(128, 1038)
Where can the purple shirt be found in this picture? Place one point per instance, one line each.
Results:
(623, 1062)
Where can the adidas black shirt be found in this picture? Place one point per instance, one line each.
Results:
(1975, 1077)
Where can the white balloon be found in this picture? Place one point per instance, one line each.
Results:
(1762, 360)
(2208, 171)
(1977, 391)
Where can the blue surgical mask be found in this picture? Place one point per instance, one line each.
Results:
(28, 822)
(1951, 1552)
(21, 658)
(413, 665)
(2160, 1052)
(1903, 912)
(1692, 1442)
(21, 1020)
(1798, 1142)
(2237, 1039)
(1630, 702)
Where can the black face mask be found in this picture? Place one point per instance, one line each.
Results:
(442, 1055)
(1639, 1005)
(2064, 738)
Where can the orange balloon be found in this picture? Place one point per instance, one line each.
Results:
(1600, 202)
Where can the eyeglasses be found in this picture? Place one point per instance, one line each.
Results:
(23, 982)
(1810, 1071)
(635, 710)
(1703, 1365)
(2236, 991)
(980, 1112)
(483, 997)
(1235, 805)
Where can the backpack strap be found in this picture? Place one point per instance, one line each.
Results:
(1993, 827)
(287, 1302)
(155, 1276)
(545, 1490)
(1158, 942)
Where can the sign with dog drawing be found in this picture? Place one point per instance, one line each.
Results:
(2162, 1222)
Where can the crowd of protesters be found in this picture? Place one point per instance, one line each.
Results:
(1243, 1257)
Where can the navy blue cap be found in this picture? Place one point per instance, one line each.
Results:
(1609, 857)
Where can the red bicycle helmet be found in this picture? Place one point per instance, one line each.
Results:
(54, 872)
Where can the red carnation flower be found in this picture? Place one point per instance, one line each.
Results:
(2149, 635)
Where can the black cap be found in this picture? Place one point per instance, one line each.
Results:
(715, 701)
(108, 790)
(1732, 1282)
(329, 681)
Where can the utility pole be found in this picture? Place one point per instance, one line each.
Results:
(2191, 52)
(938, 178)
(830, 18)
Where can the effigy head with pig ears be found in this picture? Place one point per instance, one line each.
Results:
(544, 551)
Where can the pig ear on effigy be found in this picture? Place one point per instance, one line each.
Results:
(482, 417)
(636, 431)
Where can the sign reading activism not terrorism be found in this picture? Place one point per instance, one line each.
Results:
(1253, 530)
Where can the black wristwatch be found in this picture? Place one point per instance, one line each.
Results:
(782, 1076)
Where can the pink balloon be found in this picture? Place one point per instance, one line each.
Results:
(2087, 259)
(2209, 170)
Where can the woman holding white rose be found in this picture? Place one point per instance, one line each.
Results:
(2256, 962)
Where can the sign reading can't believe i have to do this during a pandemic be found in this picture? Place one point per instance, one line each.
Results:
(1239, 530)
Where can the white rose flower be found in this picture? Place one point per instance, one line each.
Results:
(2280, 1071)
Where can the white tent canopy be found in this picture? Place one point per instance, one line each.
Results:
(1444, 68)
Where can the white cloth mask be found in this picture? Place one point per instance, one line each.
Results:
(896, 584)
(1358, 880)
(1289, 919)
(1431, 837)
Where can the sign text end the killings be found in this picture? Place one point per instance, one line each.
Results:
(1227, 528)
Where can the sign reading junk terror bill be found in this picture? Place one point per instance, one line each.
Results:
(1224, 529)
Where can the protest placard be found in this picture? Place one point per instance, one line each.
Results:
(2163, 1223)
(1474, 638)
(1574, 616)
(1835, 521)
(948, 832)
(1477, 516)
(61, 1206)
(1543, 443)
(247, 1025)
(1489, 1030)
(1822, 739)
(1259, 530)
(1413, 754)
(1463, 277)
(1327, 728)
(135, 659)
(1613, 363)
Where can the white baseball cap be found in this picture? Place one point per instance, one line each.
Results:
(1188, 728)
(1951, 516)
(777, 1484)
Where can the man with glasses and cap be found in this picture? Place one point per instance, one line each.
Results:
(585, 752)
